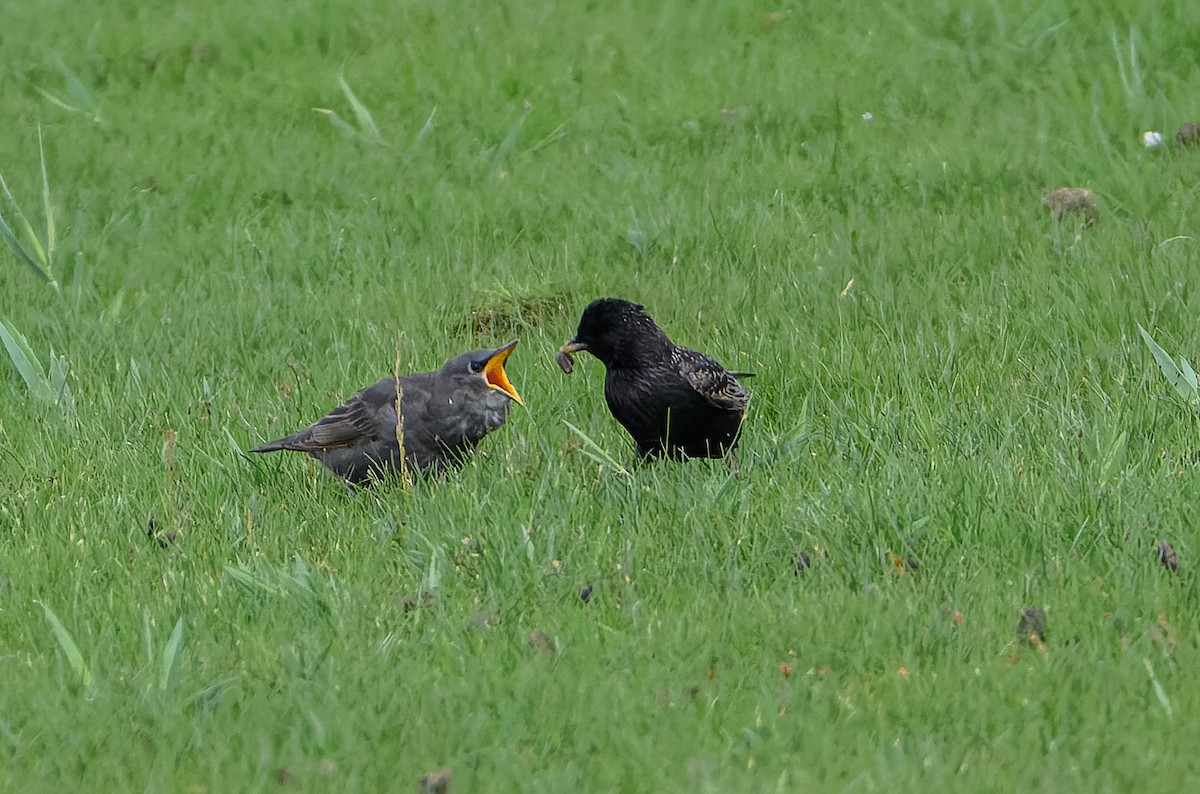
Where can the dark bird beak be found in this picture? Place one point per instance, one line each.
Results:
(565, 362)
(494, 374)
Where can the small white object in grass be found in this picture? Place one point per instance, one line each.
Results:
(868, 116)
(1150, 139)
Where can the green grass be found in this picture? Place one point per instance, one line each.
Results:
(231, 263)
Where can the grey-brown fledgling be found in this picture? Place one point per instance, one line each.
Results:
(1080, 200)
(1031, 628)
(438, 781)
(446, 413)
(672, 400)
(1189, 134)
(1166, 555)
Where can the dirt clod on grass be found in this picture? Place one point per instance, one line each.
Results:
(513, 316)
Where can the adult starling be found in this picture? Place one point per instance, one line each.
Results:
(446, 413)
(672, 400)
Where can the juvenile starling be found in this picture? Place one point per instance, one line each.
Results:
(1031, 628)
(672, 400)
(1189, 134)
(446, 413)
(1079, 200)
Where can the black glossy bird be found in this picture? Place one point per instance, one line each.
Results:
(446, 413)
(672, 400)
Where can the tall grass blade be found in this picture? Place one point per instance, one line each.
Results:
(299, 584)
(243, 576)
(365, 121)
(557, 134)
(54, 100)
(597, 453)
(420, 137)
(81, 102)
(170, 660)
(67, 643)
(38, 261)
(60, 391)
(11, 738)
(1112, 456)
(1182, 379)
(1121, 73)
(7, 233)
(1188, 373)
(509, 145)
(78, 91)
(1159, 692)
(148, 636)
(1134, 69)
(39, 253)
(211, 694)
(51, 236)
(26, 363)
(336, 120)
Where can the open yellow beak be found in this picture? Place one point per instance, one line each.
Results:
(495, 375)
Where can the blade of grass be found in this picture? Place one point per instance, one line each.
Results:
(433, 574)
(1188, 373)
(148, 636)
(53, 100)
(211, 694)
(365, 121)
(40, 265)
(19, 251)
(26, 363)
(67, 643)
(170, 661)
(51, 236)
(9, 736)
(78, 91)
(82, 100)
(336, 120)
(422, 133)
(509, 145)
(239, 573)
(597, 453)
(1183, 382)
(59, 389)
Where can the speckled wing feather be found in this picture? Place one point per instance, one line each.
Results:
(711, 380)
(348, 425)
(358, 421)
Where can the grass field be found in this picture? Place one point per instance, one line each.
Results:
(954, 416)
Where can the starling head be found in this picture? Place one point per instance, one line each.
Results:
(619, 333)
(483, 370)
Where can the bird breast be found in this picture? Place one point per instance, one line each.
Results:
(471, 417)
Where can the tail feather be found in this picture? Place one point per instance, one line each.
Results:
(285, 443)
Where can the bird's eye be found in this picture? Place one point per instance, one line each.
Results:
(477, 366)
